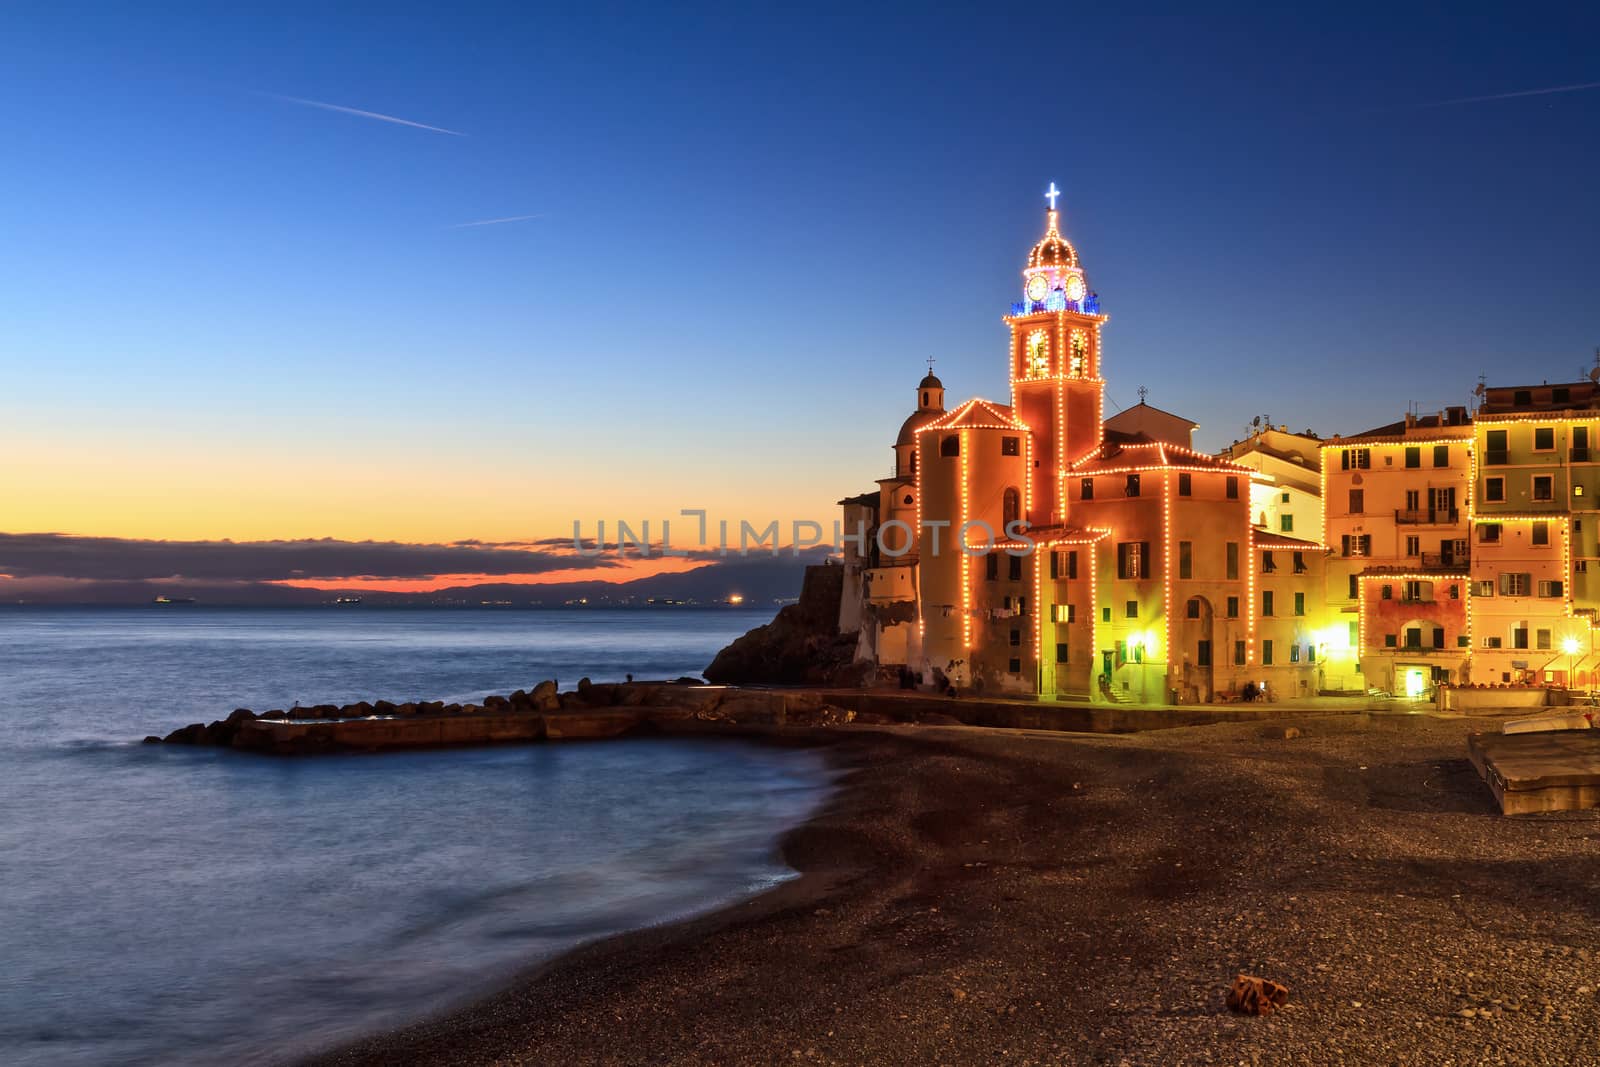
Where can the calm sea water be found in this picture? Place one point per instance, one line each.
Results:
(173, 905)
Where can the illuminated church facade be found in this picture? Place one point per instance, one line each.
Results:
(1033, 546)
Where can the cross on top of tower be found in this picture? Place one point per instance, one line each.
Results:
(930, 364)
(1143, 392)
(1051, 194)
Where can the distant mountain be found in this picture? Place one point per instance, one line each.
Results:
(759, 580)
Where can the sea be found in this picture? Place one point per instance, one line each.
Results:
(173, 905)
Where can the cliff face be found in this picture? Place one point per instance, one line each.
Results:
(801, 646)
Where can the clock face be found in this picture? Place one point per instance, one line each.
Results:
(1075, 287)
(1038, 288)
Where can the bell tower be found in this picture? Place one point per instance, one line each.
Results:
(1056, 386)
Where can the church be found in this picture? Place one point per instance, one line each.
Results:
(1034, 546)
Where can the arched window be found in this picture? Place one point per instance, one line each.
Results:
(950, 446)
(1011, 507)
(924, 399)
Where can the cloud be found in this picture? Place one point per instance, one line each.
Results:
(364, 114)
(56, 555)
(1510, 96)
(494, 222)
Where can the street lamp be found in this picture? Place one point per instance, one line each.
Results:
(1570, 646)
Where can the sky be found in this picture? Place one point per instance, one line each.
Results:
(472, 274)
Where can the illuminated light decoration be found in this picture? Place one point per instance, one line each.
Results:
(1039, 614)
(966, 560)
(1001, 419)
(1027, 478)
(1166, 569)
(1250, 574)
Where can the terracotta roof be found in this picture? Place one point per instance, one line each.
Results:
(976, 412)
(1120, 451)
(1151, 407)
(1057, 533)
(867, 499)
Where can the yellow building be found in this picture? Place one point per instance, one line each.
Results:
(1534, 536)
(1397, 518)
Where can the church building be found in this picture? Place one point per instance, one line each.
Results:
(1032, 546)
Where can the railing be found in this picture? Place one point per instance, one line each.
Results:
(1578, 455)
(1056, 301)
(1440, 559)
(1427, 516)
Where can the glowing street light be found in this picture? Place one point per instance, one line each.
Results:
(1570, 646)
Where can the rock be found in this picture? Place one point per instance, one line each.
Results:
(382, 707)
(405, 709)
(584, 685)
(240, 715)
(193, 734)
(1256, 996)
(520, 697)
(494, 701)
(688, 681)
(545, 697)
(359, 710)
(276, 715)
(152, 739)
(792, 649)
(325, 711)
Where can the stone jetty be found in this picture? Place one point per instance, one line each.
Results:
(597, 711)
(590, 712)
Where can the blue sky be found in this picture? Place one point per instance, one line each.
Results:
(751, 231)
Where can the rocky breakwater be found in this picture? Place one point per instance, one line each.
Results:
(590, 712)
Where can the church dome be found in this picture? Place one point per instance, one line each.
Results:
(1053, 250)
(930, 382)
(916, 421)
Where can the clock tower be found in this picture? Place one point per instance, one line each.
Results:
(1056, 388)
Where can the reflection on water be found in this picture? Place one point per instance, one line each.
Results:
(176, 905)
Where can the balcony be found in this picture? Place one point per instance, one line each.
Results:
(1427, 516)
(1578, 455)
(1090, 305)
(1440, 560)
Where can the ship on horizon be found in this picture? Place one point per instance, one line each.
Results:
(163, 599)
(348, 600)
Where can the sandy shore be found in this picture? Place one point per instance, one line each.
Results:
(981, 897)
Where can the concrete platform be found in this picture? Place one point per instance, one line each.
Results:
(1554, 771)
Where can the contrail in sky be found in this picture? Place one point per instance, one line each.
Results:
(364, 114)
(494, 222)
(1508, 96)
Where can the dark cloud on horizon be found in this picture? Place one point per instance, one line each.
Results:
(123, 559)
(115, 559)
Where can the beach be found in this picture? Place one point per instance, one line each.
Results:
(975, 896)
